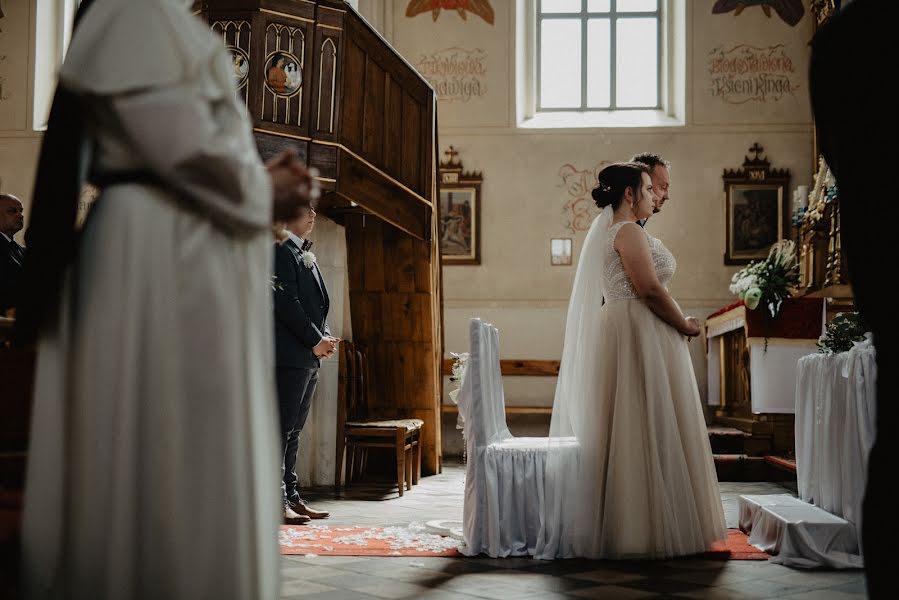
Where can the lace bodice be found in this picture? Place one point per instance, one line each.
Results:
(615, 280)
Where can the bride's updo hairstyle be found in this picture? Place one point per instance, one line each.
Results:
(616, 178)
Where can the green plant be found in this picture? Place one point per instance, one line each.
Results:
(842, 332)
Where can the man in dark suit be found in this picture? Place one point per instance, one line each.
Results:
(857, 127)
(302, 339)
(12, 255)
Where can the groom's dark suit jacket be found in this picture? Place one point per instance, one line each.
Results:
(301, 309)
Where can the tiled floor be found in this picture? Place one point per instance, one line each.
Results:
(440, 498)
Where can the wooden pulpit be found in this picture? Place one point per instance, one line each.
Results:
(316, 77)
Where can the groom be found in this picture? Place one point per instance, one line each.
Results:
(658, 173)
(302, 339)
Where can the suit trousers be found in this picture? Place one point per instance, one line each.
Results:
(295, 389)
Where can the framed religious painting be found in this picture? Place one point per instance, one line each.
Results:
(756, 210)
(460, 213)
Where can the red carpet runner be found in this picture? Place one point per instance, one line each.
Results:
(324, 540)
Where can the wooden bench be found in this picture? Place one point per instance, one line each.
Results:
(517, 368)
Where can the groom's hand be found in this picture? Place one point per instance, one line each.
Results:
(326, 347)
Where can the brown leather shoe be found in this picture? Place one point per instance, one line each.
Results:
(292, 518)
(303, 509)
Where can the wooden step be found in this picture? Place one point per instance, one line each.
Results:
(722, 430)
(730, 440)
(782, 462)
(747, 425)
(740, 467)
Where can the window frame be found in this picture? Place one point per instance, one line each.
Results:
(612, 16)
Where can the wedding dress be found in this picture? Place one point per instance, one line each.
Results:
(153, 467)
(645, 484)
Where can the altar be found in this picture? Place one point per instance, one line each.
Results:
(752, 365)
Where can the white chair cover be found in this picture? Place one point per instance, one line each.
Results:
(504, 484)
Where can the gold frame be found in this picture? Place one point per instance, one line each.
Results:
(473, 193)
(454, 180)
(756, 175)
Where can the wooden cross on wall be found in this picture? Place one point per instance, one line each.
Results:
(452, 154)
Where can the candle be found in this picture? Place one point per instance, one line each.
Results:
(803, 195)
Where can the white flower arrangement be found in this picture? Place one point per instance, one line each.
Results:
(768, 281)
(461, 361)
(308, 259)
(458, 366)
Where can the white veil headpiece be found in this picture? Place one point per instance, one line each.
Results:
(568, 482)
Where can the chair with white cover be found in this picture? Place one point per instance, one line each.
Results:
(504, 483)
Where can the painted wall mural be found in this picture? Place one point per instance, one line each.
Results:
(481, 8)
(578, 208)
(457, 74)
(791, 11)
(747, 73)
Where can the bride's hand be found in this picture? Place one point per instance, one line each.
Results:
(691, 327)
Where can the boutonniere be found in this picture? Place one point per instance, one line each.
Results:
(308, 259)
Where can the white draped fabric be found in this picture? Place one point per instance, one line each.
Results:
(835, 426)
(152, 471)
(504, 498)
(772, 377)
(798, 533)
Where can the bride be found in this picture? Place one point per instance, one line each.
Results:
(644, 485)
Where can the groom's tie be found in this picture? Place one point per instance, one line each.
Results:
(306, 246)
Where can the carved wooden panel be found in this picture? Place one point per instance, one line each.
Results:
(354, 72)
(327, 77)
(393, 318)
(284, 82)
(411, 167)
(237, 38)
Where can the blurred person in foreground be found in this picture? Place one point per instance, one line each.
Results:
(152, 469)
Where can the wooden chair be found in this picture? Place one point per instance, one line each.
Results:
(356, 433)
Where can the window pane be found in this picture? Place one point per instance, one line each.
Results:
(560, 6)
(599, 59)
(637, 63)
(599, 5)
(637, 5)
(560, 63)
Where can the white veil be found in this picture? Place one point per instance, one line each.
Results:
(569, 509)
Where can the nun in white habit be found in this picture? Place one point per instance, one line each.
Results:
(153, 469)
